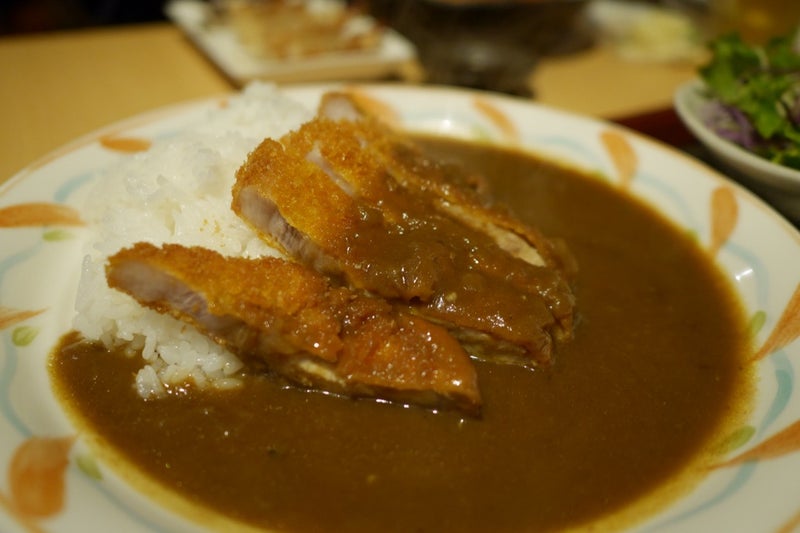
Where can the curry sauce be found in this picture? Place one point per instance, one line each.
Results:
(632, 406)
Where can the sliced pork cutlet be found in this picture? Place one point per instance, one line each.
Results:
(285, 318)
(359, 202)
(463, 194)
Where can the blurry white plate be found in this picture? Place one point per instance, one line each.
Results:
(778, 184)
(40, 264)
(220, 44)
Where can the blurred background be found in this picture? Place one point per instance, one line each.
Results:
(91, 62)
(484, 44)
(499, 45)
(620, 60)
(28, 16)
(25, 16)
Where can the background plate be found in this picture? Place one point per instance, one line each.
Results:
(219, 43)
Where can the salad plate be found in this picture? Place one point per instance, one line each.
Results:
(777, 184)
(52, 482)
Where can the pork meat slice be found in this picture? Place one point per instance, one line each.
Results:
(463, 194)
(283, 317)
(362, 203)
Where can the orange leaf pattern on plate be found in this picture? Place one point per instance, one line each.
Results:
(128, 145)
(9, 317)
(622, 155)
(724, 216)
(792, 525)
(786, 330)
(497, 117)
(783, 442)
(36, 476)
(374, 108)
(39, 214)
(28, 523)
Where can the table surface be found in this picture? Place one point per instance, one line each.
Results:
(58, 86)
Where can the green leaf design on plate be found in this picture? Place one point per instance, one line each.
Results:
(480, 133)
(757, 322)
(24, 335)
(602, 176)
(54, 235)
(736, 440)
(88, 466)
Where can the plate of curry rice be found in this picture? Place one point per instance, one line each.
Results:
(376, 307)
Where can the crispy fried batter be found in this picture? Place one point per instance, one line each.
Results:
(360, 202)
(288, 319)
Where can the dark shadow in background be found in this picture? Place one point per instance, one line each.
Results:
(31, 16)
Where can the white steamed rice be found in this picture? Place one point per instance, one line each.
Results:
(178, 191)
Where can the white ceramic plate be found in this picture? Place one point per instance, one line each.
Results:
(219, 43)
(779, 185)
(40, 261)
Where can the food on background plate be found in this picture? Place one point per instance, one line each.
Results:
(632, 407)
(755, 92)
(296, 29)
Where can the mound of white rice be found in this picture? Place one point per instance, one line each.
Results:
(178, 191)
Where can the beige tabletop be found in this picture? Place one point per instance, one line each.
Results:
(55, 87)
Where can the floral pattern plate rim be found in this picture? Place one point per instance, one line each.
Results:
(51, 482)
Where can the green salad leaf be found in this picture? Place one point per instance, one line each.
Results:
(756, 91)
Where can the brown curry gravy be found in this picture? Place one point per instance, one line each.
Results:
(632, 407)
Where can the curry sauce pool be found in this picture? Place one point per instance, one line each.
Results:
(630, 411)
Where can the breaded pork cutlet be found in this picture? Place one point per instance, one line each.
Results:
(364, 204)
(285, 318)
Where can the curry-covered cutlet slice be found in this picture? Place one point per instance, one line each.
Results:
(365, 205)
(288, 319)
